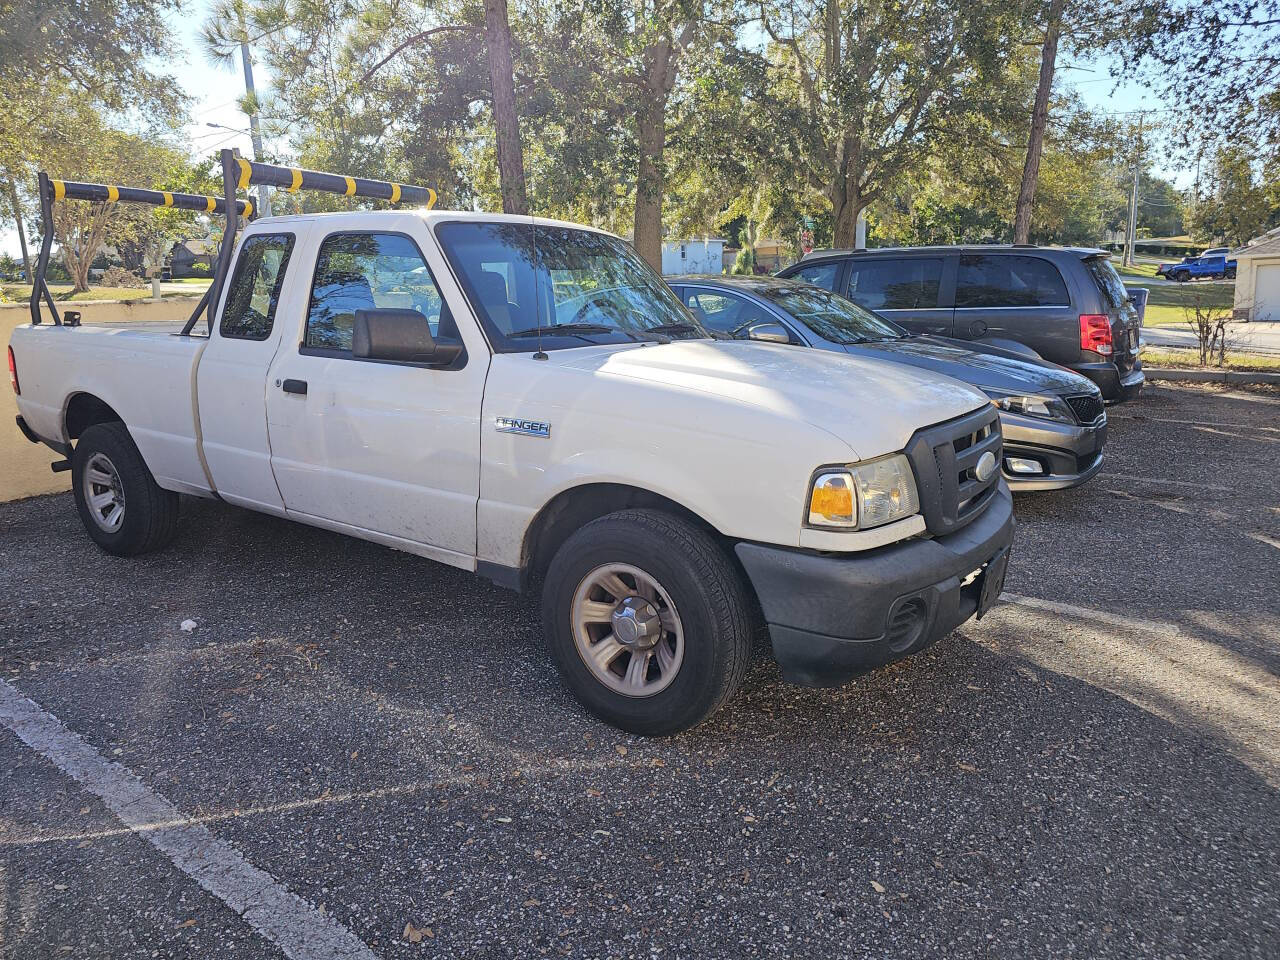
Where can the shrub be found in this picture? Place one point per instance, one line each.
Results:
(120, 277)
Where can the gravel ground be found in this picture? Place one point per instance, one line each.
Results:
(1097, 775)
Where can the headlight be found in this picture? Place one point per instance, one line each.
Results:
(864, 495)
(1046, 408)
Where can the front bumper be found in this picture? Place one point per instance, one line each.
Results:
(834, 616)
(1070, 454)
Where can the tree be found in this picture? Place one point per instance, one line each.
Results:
(351, 75)
(1039, 120)
(1240, 207)
(867, 89)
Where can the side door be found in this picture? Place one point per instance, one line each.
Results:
(907, 290)
(1020, 297)
(388, 450)
(231, 381)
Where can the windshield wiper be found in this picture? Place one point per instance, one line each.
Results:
(556, 329)
(674, 328)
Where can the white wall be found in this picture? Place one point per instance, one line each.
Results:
(692, 256)
(1248, 303)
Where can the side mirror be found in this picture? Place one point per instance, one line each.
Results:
(769, 332)
(401, 336)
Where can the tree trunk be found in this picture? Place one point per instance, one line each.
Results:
(22, 231)
(651, 130)
(506, 122)
(1039, 120)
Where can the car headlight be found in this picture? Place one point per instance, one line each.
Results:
(1030, 405)
(864, 495)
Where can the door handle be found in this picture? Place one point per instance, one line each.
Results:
(295, 386)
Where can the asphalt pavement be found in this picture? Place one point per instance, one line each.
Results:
(374, 755)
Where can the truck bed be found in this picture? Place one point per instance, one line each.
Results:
(141, 370)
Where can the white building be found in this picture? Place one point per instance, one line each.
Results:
(1258, 279)
(693, 256)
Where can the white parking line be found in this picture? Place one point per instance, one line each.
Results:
(1212, 423)
(298, 929)
(1098, 616)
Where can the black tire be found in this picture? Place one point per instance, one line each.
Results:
(150, 514)
(1181, 277)
(704, 586)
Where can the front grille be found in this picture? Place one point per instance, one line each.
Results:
(1087, 407)
(944, 458)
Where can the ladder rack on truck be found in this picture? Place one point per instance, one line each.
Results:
(237, 173)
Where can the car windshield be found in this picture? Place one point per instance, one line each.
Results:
(831, 316)
(1108, 281)
(559, 287)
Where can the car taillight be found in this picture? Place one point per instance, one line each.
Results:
(1095, 333)
(13, 373)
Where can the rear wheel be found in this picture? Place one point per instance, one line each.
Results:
(122, 508)
(648, 621)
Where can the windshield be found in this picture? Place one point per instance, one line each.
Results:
(561, 287)
(1108, 281)
(831, 316)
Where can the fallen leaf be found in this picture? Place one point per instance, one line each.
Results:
(877, 886)
(187, 923)
(187, 626)
(533, 903)
(354, 754)
(622, 751)
(412, 933)
(503, 819)
(592, 792)
(59, 886)
(967, 766)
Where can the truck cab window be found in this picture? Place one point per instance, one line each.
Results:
(819, 274)
(365, 271)
(255, 287)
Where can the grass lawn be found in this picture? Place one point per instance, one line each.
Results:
(1167, 304)
(1142, 268)
(19, 292)
(1190, 359)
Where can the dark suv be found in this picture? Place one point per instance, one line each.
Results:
(1065, 304)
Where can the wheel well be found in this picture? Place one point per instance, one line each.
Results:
(84, 411)
(572, 509)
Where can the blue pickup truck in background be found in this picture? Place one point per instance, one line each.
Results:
(1212, 265)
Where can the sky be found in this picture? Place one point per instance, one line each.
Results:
(216, 89)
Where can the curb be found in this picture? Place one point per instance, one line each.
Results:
(1211, 376)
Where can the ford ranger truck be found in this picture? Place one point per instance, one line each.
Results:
(526, 399)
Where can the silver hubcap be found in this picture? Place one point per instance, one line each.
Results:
(104, 493)
(627, 630)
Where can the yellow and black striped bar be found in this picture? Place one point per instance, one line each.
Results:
(106, 193)
(291, 179)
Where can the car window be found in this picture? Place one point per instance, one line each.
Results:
(909, 283)
(1009, 281)
(1109, 282)
(726, 312)
(830, 315)
(255, 287)
(819, 274)
(536, 286)
(364, 271)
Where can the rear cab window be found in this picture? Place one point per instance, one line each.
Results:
(368, 271)
(254, 292)
(987, 280)
(906, 283)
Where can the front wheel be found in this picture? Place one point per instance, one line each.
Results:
(648, 621)
(122, 508)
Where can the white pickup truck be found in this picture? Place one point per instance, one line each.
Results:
(526, 399)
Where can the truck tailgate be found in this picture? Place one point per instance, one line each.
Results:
(142, 371)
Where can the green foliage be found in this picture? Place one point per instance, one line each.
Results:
(1242, 205)
(744, 262)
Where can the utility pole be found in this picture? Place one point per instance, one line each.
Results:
(255, 133)
(1133, 200)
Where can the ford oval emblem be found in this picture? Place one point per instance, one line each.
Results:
(986, 467)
